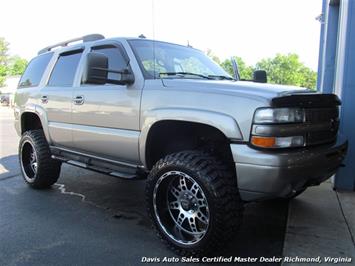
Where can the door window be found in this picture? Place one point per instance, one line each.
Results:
(64, 70)
(116, 60)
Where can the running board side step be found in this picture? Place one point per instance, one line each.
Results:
(114, 169)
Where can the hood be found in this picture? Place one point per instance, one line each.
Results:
(241, 88)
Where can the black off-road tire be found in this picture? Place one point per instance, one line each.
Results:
(47, 169)
(219, 185)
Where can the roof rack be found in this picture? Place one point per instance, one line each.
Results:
(86, 38)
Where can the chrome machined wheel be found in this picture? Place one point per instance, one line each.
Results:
(38, 169)
(29, 162)
(181, 207)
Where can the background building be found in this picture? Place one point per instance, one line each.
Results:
(336, 73)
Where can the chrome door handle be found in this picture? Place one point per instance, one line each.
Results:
(44, 99)
(79, 100)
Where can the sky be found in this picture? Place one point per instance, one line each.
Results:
(251, 29)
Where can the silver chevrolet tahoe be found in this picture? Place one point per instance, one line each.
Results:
(206, 142)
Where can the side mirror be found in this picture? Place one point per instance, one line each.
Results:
(96, 71)
(260, 76)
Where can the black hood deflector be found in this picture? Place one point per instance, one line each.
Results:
(306, 100)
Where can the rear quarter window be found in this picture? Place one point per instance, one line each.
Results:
(34, 71)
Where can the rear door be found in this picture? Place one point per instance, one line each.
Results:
(56, 97)
(106, 117)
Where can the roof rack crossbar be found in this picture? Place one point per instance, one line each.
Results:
(86, 38)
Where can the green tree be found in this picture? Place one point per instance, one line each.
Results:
(287, 69)
(9, 66)
(245, 71)
(17, 65)
(4, 48)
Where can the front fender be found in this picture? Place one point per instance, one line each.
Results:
(225, 123)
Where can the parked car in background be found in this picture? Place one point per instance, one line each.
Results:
(5, 100)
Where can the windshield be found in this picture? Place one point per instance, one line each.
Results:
(175, 61)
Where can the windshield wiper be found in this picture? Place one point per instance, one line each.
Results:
(184, 74)
(221, 77)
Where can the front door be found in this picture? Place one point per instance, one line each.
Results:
(106, 117)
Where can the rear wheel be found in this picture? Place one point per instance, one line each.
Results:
(193, 202)
(39, 170)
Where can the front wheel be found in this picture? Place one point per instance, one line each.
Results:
(38, 169)
(193, 202)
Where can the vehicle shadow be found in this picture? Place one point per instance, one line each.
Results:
(261, 234)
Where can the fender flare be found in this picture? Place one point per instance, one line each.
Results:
(41, 113)
(224, 123)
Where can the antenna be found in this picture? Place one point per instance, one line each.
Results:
(153, 31)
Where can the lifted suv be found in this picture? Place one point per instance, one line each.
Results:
(205, 142)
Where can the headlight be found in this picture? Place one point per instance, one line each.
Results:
(279, 115)
(272, 128)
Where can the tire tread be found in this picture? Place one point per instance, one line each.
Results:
(48, 169)
(220, 179)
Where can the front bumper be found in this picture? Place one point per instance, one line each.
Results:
(266, 174)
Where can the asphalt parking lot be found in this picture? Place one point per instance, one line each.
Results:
(92, 219)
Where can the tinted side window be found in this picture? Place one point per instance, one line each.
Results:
(65, 68)
(34, 71)
(116, 60)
